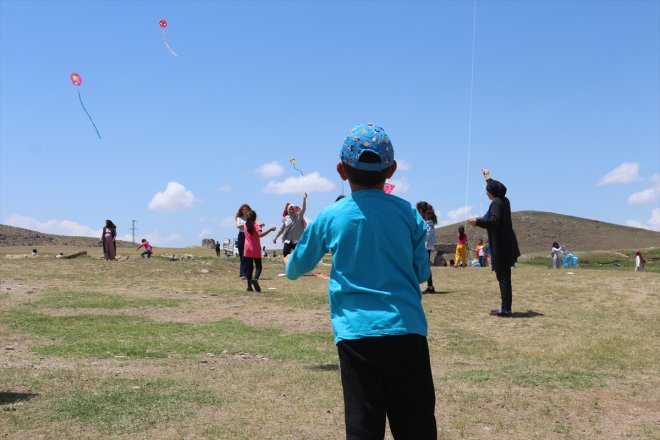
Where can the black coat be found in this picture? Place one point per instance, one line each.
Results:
(501, 237)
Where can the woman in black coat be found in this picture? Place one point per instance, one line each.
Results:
(501, 238)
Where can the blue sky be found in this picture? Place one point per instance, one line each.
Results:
(565, 109)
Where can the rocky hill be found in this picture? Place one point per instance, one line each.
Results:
(536, 231)
(13, 236)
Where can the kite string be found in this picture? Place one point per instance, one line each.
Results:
(88, 115)
(167, 45)
(469, 144)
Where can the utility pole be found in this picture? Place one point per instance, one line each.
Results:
(133, 229)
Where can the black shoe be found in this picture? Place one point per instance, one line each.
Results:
(249, 289)
(256, 285)
(429, 289)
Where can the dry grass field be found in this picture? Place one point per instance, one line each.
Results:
(162, 349)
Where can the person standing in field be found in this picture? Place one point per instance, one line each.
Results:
(108, 238)
(461, 248)
(252, 250)
(640, 262)
(555, 252)
(481, 254)
(241, 217)
(293, 225)
(379, 259)
(427, 212)
(501, 238)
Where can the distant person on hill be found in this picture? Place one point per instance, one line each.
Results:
(461, 248)
(501, 238)
(640, 262)
(217, 248)
(34, 253)
(148, 249)
(379, 259)
(555, 252)
(293, 225)
(108, 237)
(427, 212)
(252, 250)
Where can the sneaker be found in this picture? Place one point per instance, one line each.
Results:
(243, 277)
(256, 285)
(249, 289)
(501, 313)
(430, 289)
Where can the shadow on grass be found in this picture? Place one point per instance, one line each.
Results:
(527, 314)
(324, 367)
(7, 397)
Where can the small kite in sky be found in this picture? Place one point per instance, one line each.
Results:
(293, 163)
(76, 80)
(163, 25)
(388, 188)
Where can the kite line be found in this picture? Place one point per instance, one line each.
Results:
(88, 115)
(469, 145)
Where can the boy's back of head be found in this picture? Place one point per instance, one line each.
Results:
(367, 155)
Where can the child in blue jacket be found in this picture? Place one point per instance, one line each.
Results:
(379, 258)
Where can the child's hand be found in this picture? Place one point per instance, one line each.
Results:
(473, 220)
(275, 240)
(304, 195)
(486, 173)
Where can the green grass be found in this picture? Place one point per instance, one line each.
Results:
(621, 260)
(128, 405)
(525, 376)
(101, 336)
(98, 300)
(132, 349)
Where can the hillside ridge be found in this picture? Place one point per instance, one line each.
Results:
(536, 230)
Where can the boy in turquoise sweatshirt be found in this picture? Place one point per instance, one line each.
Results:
(379, 258)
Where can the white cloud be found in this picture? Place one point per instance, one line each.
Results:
(162, 240)
(227, 222)
(224, 188)
(312, 182)
(401, 186)
(650, 195)
(624, 173)
(654, 221)
(635, 224)
(403, 165)
(270, 169)
(57, 227)
(460, 214)
(175, 198)
(205, 233)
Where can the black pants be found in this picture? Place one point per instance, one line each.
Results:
(506, 291)
(429, 282)
(250, 264)
(240, 244)
(288, 248)
(388, 376)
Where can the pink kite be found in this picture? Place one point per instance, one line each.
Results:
(76, 80)
(163, 25)
(388, 188)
